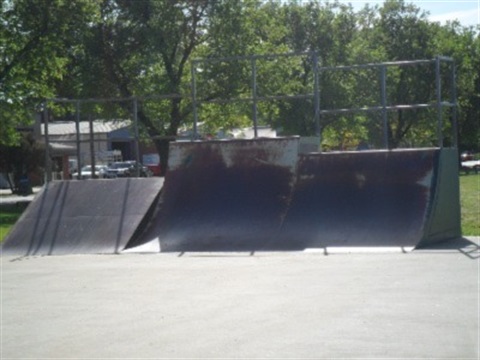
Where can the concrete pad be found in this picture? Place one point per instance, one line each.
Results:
(422, 304)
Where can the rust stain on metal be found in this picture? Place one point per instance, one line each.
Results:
(227, 194)
(361, 199)
(261, 194)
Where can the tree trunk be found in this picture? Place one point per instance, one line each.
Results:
(162, 146)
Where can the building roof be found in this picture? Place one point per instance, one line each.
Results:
(99, 127)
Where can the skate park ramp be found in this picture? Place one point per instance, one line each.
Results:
(83, 217)
(374, 198)
(260, 194)
(224, 195)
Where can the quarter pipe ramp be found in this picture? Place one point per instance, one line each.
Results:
(262, 195)
(82, 217)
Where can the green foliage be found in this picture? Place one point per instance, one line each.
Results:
(8, 217)
(125, 48)
(470, 200)
(22, 158)
(36, 40)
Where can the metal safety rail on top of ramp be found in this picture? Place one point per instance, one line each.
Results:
(261, 195)
(83, 217)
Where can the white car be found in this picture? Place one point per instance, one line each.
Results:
(86, 172)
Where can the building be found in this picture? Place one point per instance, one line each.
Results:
(107, 140)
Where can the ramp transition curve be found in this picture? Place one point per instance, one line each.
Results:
(262, 195)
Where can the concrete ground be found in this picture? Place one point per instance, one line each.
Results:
(423, 304)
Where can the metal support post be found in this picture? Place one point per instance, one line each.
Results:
(438, 84)
(254, 97)
(48, 160)
(453, 100)
(77, 129)
(383, 86)
(316, 100)
(92, 148)
(137, 147)
(194, 102)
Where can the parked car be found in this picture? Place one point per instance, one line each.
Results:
(467, 156)
(126, 169)
(86, 172)
(144, 171)
(118, 169)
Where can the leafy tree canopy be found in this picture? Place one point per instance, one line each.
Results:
(125, 48)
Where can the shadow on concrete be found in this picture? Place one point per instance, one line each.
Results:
(465, 246)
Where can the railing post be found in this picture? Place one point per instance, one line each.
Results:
(92, 146)
(438, 85)
(48, 160)
(135, 126)
(254, 96)
(316, 100)
(453, 101)
(77, 129)
(194, 102)
(383, 87)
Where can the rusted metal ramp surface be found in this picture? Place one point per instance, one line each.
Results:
(261, 195)
(82, 217)
(374, 198)
(225, 195)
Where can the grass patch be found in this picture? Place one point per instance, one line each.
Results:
(470, 204)
(9, 214)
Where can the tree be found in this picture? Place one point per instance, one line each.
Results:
(142, 48)
(463, 45)
(36, 39)
(20, 159)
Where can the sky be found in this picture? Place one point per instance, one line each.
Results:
(465, 11)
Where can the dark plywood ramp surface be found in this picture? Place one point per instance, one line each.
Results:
(225, 195)
(262, 195)
(360, 199)
(81, 217)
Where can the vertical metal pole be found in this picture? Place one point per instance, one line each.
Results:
(453, 100)
(254, 97)
(316, 99)
(438, 84)
(194, 102)
(77, 129)
(48, 160)
(137, 147)
(383, 86)
(92, 148)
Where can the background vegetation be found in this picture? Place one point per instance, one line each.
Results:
(9, 215)
(470, 204)
(125, 48)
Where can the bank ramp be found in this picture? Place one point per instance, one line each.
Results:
(83, 217)
(260, 194)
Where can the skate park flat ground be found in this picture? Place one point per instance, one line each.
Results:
(420, 304)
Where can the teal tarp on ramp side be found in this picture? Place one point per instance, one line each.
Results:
(444, 219)
(82, 217)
